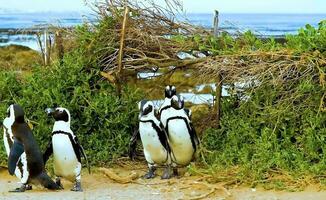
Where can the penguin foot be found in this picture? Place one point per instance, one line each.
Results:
(58, 182)
(22, 188)
(175, 172)
(28, 187)
(150, 174)
(77, 187)
(166, 173)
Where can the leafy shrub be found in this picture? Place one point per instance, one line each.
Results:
(264, 133)
(309, 39)
(101, 120)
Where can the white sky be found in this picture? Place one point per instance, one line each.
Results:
(199, 6)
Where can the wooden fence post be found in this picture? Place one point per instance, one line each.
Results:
(46, 48)
(219, 77)
(59, 46)
(122, 44)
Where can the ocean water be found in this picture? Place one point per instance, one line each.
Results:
(28, 20)
(260, 24)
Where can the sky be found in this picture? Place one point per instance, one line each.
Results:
(197, 6)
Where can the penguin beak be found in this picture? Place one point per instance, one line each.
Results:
(170, 93)
(49, 111)
(180, 104)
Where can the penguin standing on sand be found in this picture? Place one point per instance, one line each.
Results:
(154, 140)
(24, 141)
(21, 171)
(65, 148)
(182, 136)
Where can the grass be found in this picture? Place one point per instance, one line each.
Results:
(18, 58)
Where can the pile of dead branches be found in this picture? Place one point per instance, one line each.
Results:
(142, 41)
(147, 34)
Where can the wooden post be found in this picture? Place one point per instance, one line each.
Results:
(59, 46)
(46, 50)
(216, 21)
(219, 78)
(122, 44)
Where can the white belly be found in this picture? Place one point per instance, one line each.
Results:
(154, 151)
(24, 174)
(180, 142)
(64, 157)
(5, 141)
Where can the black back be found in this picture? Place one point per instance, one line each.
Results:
(23, 134)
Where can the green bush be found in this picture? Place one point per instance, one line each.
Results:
(101, 120)
(264, 133)
(309, 39)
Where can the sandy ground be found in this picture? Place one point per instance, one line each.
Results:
(98, 186)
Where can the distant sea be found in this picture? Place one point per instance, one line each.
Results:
(261, 24)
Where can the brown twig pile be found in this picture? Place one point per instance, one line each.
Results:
(148, 34)
(148, 46)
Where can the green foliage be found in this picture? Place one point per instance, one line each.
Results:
(15, 57)
(226, 44)
(280, 127)
(264, 133)
(309, 39)
(97, 41)
(101, 120)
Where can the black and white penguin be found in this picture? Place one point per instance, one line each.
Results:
(154, 140)
(182, 136)
(21, 171)
(24, 141)
(65, 148)
(169, 92)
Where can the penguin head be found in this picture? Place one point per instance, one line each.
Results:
(170, 90)
(15, 114)
(59, 114)
(10, 117)
(146, 108)
(177, 102)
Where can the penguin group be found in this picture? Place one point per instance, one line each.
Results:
(25, 158)
(167, 135)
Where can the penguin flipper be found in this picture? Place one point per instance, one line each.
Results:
(85, 157)
(164, 137)
(133, 144)
(193, 135)
(48, 152)
(82, 151)
(47, 182)
(16, 151)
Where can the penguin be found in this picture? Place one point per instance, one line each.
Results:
(21, 171)
(182, 137)
(24, 141)
(66, 149)
(169, 92)
(154, 140)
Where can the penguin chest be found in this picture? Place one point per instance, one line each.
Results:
(180, 142)
(153, 149)
(64, 157)
(7, 141)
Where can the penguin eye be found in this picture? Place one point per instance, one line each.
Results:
(148, 110)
